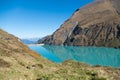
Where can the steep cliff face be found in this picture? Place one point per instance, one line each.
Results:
(96, 24)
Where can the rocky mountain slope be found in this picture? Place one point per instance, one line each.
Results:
(18, 62)
(96, 24)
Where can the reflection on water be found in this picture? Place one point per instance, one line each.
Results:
(89, 55)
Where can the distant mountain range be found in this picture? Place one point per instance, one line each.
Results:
(96, 24)
(30, 40)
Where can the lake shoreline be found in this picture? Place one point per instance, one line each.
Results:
(35, 44)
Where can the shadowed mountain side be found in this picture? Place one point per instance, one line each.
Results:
(96, 24)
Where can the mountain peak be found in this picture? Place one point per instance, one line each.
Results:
(97, 12)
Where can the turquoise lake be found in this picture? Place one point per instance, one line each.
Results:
(90, 55)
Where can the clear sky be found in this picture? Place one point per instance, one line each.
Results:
(36, 18)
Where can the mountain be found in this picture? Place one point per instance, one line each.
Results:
(26, 41)
(30, 40)
(96, 24)
(18, 62)
(44, 39)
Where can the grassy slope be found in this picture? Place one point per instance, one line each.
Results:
(18, 62)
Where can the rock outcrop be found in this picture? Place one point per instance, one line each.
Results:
(96, 24)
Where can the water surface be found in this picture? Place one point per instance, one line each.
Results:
(90, 55)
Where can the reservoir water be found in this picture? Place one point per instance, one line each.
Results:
(90, 55)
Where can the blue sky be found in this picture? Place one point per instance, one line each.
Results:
(36, 18)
